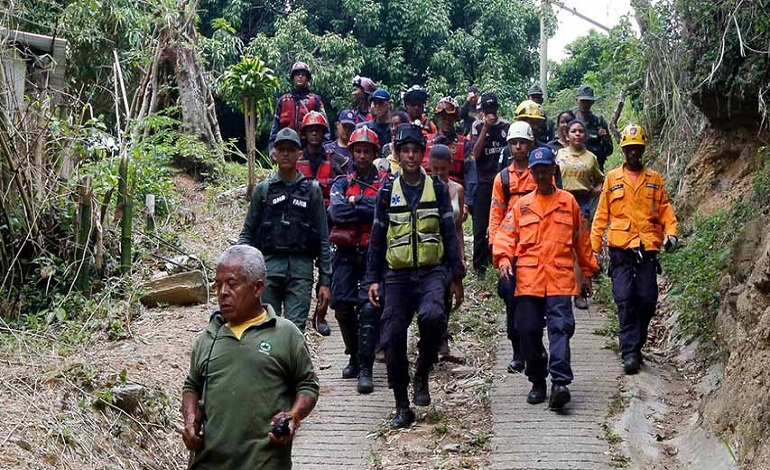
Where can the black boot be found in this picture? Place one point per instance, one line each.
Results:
(420, 384)
(404, 415)
(631, 364)
(367, 338)
(365, 383)
(537, 394)
(348, 322)
(516, 364)
(351, 370)
(559, 397)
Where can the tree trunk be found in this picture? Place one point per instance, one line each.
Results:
(176, 53)
(251, 129)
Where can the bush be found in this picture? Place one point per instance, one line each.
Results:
(696, 269)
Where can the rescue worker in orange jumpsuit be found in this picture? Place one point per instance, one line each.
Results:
(323, 166)
(509, 186)
(543, 234)
(635, 206)
(352, 210)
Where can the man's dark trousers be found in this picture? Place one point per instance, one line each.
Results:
(482, 202)
(347, 295)
(530, 314)
(506, 290)
(408, 291)
(635, 290)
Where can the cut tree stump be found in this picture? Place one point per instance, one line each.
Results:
(179, 289)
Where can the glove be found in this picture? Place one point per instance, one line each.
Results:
(670, 243)
(599, 261)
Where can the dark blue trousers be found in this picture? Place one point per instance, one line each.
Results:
(506, 290)
(356, 317)
(555, 312)
(410, 291)
(635, 290)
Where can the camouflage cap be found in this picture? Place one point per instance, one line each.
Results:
(288, 134)
(586, 93)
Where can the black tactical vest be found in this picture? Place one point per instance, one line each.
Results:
(287, 223)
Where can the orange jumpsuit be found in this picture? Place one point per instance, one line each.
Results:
(519, 185)
(636, 212)
(545, 241)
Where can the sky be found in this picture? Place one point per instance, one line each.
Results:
(606, 12)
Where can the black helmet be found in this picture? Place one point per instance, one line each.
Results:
(488, 102)
(416, 94)
(408, 132)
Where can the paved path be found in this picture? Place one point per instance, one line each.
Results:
(533, 437)
(334, 435)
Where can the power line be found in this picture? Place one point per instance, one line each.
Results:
(574, 11)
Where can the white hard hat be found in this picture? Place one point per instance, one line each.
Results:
(520, 130)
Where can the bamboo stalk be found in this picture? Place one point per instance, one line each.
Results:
(83, 235)
(125, 222)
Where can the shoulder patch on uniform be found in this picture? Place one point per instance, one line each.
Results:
(653, 185)
(617, 186)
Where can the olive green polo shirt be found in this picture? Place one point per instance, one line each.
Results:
(249, 381)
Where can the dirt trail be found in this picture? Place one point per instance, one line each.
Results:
(335, 434)
(533, 437)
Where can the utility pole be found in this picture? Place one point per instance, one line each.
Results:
(543, 49)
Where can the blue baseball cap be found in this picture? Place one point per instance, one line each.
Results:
(347, 117)
(541, 156)
(380, 94)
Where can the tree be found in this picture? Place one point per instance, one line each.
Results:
(176, 68)
(254, 83)
(444, 45)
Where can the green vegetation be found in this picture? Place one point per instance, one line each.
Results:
(610, 435)
(695, 270)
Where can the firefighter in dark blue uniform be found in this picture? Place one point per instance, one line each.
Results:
(413, 258)
(352, 209)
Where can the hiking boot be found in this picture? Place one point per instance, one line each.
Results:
(321, 326)
(421, 391)
(537, 394)
(631, 364)
(443, 350)
(559, 397)
(365, 383)
(516, 364)
(351, 370)
(581, 302)
(404, 417)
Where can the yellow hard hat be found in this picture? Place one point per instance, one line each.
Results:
(633, 134)
(529, 109)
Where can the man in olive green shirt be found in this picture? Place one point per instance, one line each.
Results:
(287, 221)
(251, 370)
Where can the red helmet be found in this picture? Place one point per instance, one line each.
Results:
(364, 135)
(300, 66)
(365, 83)
(314, 118)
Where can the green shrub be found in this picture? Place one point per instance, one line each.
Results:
(697, 267)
